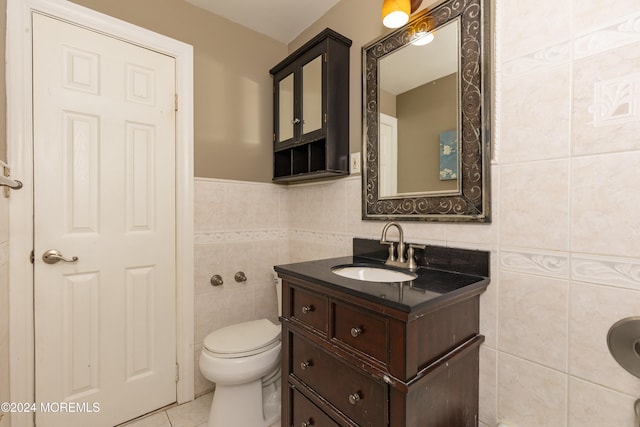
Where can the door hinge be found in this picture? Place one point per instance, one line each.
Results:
(326, 56)
(177, 372)
(32, 256)
(325, 118)
(176, 102)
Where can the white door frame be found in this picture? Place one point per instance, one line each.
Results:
(20, 158)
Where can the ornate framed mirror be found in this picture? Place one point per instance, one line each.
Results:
(426, 118)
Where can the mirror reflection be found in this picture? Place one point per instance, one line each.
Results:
(286, 108)
(419, 116)
(312, 95)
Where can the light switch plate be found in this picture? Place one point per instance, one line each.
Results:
(355, 162)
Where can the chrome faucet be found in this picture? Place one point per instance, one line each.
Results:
(400, 261)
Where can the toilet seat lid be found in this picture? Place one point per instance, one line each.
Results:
(243, 337)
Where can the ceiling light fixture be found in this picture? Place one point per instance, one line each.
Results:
(395, 13)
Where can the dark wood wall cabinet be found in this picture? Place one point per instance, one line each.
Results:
(373, 354)
(311, 110)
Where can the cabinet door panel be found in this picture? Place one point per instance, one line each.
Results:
(312, 95)
(286, 119)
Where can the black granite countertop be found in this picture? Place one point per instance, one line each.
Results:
(431, 286)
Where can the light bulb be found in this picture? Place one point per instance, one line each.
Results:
(422, 38)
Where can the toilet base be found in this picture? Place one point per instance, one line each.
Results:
(242, 405)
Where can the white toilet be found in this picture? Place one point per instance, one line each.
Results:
(243, 360)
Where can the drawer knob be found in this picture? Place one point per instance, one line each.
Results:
(306, 364)
(355, 332)
(354, 398)
(307, 423)
(306, 309)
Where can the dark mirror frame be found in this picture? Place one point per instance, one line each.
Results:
(472, 204)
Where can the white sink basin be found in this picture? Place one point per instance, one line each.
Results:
(372, 273)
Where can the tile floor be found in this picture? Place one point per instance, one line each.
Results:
(191, 414)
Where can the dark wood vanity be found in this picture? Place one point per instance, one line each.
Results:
(358, 353)
(311, 110)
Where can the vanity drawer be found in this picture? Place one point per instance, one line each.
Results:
(362, 330)
(309, 308)
(355, 394)
(306, 412)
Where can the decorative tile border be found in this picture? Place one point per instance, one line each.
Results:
(239, 236)
(621, 272)
(546, 264)
(554, 55)
(203, 238)
(601, 270)
(611, 37)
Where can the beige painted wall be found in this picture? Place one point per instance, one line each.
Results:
(233, 96)
(419, 127)
(387, 103)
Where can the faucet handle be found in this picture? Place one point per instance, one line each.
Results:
(413, 264)
(392, 254)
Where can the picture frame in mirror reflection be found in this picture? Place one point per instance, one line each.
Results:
(449, 159)
(459, 69)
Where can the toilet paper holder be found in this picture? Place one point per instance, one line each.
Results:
(623, 341)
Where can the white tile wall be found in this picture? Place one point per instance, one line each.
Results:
(239, 226)
(530, 394)
(569, 243)
(533, 318)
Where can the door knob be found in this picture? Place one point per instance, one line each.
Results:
(53, 256)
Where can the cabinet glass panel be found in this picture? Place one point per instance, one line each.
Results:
(312, 95)
(285, 98)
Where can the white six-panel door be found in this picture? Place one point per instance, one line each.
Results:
(104, 192)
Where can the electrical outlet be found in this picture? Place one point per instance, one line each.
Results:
(355, 162)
